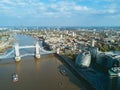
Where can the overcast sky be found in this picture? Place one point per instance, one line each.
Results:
(59, 12)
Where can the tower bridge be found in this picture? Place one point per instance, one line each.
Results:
(15, 52)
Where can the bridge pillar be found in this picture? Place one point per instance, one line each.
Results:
(17, 53)
(37, 47)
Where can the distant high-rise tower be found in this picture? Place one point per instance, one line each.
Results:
(93, 43)
(67, 32)
(73, 34)
(61, 36)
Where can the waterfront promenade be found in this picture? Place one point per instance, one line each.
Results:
(88, 75)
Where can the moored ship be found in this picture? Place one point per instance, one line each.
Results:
(63, 72)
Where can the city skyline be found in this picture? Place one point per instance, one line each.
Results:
(59, 13)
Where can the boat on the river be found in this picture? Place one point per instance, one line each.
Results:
(15, 77)
(84, 59)
(114, 71)
(63, 72)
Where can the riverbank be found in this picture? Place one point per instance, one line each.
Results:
(6, 43)
(88, 75)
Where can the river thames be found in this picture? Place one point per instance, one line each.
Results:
(35, 74)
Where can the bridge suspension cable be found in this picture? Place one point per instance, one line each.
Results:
(11, 54)
(6, 55)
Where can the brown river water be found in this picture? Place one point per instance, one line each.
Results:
(43, 74)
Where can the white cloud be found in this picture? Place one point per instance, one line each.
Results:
(81, 8)
(112, 8)
(109, 0)
(8, 2)
(58, 8)
(68, 8)
(111, 11)
(39, 8)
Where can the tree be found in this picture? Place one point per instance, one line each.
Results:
(105, 48)
(117, 48)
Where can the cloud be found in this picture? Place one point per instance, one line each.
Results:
(81, 8)
(10, 2)
(55, 8)
(36, 8)
(109, 0)
(67, 8)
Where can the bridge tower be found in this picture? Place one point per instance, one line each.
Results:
(37, 47)
(17, 53)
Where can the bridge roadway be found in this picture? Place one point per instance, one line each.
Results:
(11, 53)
